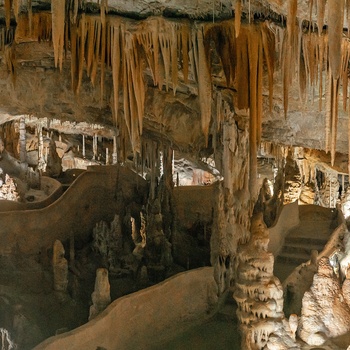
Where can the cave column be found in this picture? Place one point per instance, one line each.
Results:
(83, 146)
(22, 140)
(94, 147)
(232, 215)
(41, 160)
(114, 154)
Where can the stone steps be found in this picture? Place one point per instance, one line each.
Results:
(294, 259)
(313, 232)
(301, 248)
(306, 240)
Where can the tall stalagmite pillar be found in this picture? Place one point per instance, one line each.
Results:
(232, 216)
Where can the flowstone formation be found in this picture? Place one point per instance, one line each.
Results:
(325, 310)
(259, 295)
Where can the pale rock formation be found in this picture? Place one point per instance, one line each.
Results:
(259, 295)
(8, 189)
(60, 267)
(157, 251)
(6, 342)
(324, 314)
(101, 296)
(327, 194)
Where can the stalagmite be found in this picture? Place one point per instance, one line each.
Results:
(101, 296)
(58, 9)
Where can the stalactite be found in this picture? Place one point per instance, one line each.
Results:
(10, 60)
(311, 5)
(253, 51)
(268, 43)
(334, 117)
(243, 72)
(103, 10)
(165, 44)
(90, 44)
(321, 8)
(81, 48)
(58, 8)
(74, 55)
(238, 14)
(348, 16)
(174, 58)
(16, 8)
(344, 72)
(7, 6)
(204, 85)
(97, 50)
(321, 45)
(185, 35)
(329, 96)
(116, 63)
(288, 61)
(335, 33)
(30, 13)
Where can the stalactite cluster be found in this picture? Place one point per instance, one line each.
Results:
(176, 52)
(58, 9)
(39, 28)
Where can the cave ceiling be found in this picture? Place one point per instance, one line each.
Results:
(42, 79)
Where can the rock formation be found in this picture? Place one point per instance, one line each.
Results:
(101, 296)
(325, 313)
(259, 295)
(108, 242)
